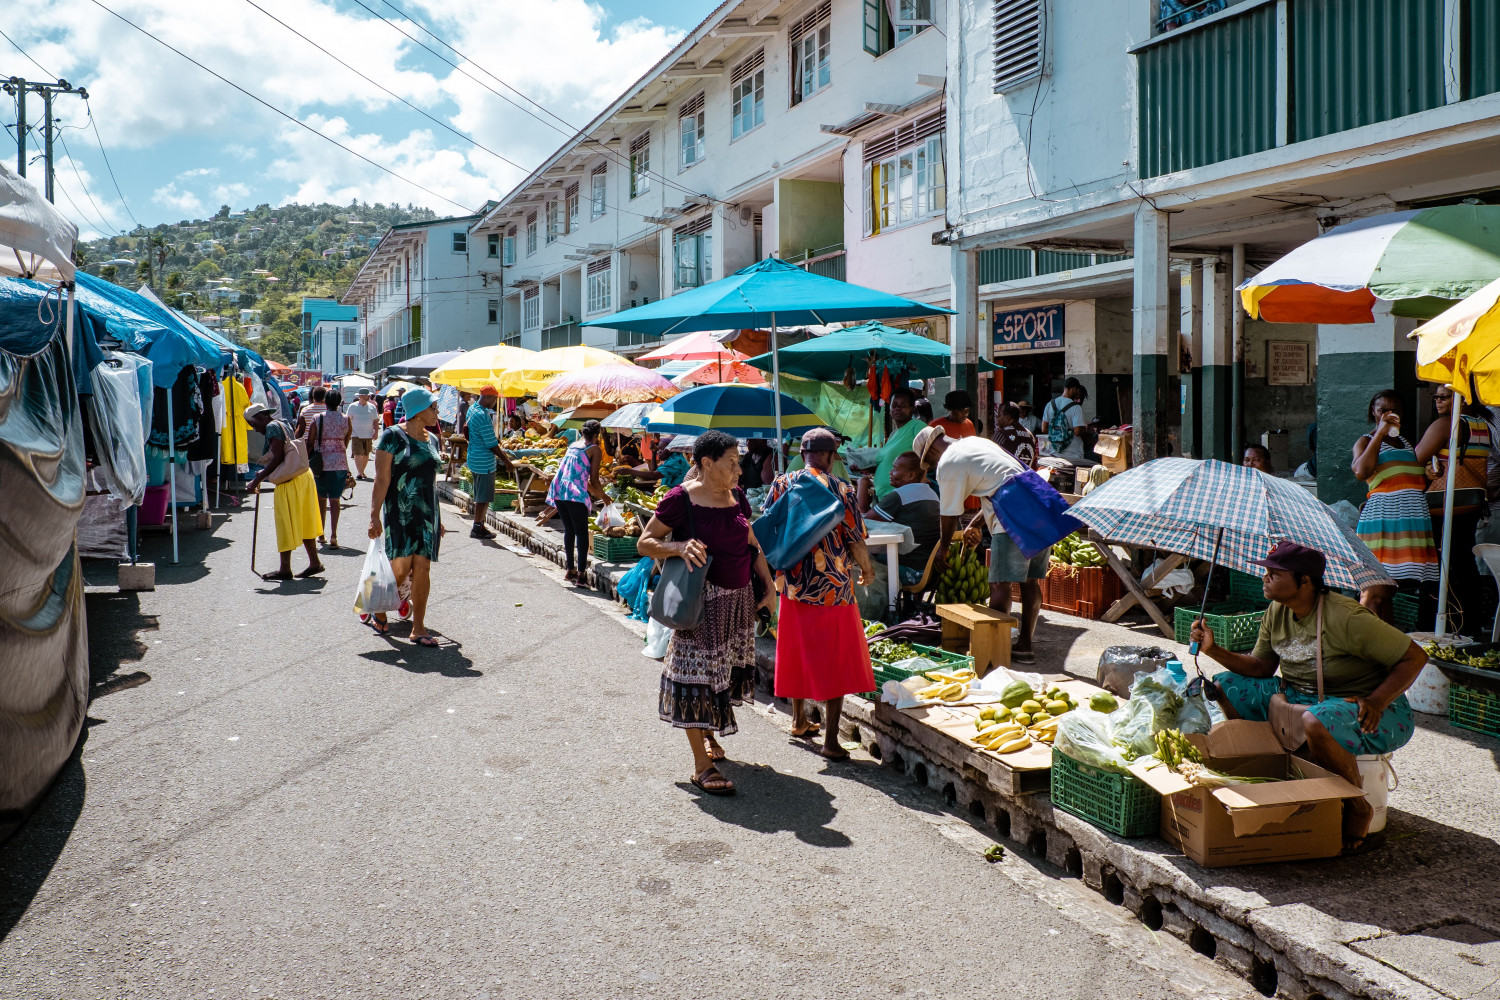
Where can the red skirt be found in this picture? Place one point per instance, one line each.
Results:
(821, 652)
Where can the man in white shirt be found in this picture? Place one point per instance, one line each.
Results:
(364, 421)
(978, 467)
(1063, 423)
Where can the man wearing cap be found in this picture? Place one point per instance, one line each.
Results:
(364, 420)
(484, 452)
(1366, 666)
(821, 652)
(975, 468)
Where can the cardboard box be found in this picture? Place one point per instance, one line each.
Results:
(1289, 820)
(1114, 450)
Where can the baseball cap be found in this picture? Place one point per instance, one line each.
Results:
(489, 390)
(256, 409)
(363, 391)
(820, 439)
(415, 401)
(923, 441)
(1294, 558)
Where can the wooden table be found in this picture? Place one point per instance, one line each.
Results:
(1135, 593)
(527, 479)
(982, 632)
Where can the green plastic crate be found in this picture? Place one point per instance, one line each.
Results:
(607, 549)
(1119, 803)
(1235, 625)
(1477, 711)
(504, 500)
(886, 672)
(1246, 587)
(1404, 611)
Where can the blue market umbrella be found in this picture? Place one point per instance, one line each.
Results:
(742, 410)
(826, 358)
(767, 293)
(147, 328)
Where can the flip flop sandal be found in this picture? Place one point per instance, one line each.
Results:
(276, 577)
(311, 571)
(381, 628)
(430, 641)
(723, 786)
(810, 733)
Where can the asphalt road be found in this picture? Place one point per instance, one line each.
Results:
(292, 806)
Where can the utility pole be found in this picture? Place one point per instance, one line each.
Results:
(18, 87)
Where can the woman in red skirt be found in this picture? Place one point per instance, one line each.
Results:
(821, 652)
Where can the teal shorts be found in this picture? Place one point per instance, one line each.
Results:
(1008, 564)
(1251, 696)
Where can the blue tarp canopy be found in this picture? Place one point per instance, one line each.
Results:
(147, 328)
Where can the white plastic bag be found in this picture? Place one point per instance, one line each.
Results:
(611, 515)
(377, 592)
(119, 437)
(657, 637)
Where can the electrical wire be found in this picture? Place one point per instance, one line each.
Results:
(28, 55)
(99, 139)
(289, 117)
(89, 194)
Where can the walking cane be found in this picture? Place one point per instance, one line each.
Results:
(254, 530)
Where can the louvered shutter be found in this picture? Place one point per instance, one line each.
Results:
(1017, 42)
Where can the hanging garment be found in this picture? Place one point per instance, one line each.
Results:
(186, 410)
(204, 449)
(233, 449)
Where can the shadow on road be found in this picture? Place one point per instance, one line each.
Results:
(768, 801)
(27, 858)
(447, 659)
(115, 625)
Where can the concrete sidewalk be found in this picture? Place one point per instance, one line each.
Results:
(1414, 918)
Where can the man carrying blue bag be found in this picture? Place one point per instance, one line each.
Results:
(1025, 516)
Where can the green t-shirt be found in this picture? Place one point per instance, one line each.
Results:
(1359, 649)
(898, 443)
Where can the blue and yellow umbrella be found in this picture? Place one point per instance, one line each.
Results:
(745, 411)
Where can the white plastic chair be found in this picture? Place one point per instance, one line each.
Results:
(1489, 552)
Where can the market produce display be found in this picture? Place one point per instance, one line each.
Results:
(948, 685)
(890, 651)
(1174, 750)
(1488, 660)
(531, 439)
(964, 580)
(1024, 715)
(1075, 551)
(624, 490)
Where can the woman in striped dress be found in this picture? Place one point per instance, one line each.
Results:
(1394, 522)
(1469, 503)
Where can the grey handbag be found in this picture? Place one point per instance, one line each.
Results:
(677, 601)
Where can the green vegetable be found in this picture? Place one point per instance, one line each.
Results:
(887, 651)
(1104, 702)
(1488, 660)
(1015, 693)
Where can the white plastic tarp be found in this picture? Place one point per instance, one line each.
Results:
(35, 240)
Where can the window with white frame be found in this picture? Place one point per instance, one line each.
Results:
(530, 233)
(597, 190)
(492, 241)
(351, 362)
(350, 336)
(554, 220)
(690, 119)
(570, 207)
(508, 247)
(692, 253)
(748, 94)
(531, 308)
(905, 179)
(1017, 40)
(812, 44)
(889, 23)
(640, 164)
(494, 312)
(460, 242)
(599, 275)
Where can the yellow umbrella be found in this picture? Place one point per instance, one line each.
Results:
(1462, 342)
(473, 370)
(532, 375)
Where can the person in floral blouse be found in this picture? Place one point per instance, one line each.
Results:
(821, 651)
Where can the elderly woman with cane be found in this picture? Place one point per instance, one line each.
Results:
(296, 495)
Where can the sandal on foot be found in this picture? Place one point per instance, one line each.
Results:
(310, 571)
(812, 732)
(430, 641)
(277, 576)
(712, 782)
(380, 627)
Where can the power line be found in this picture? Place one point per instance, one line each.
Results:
(28, 55)
(100, 140)
(74, 164)
(291, 118)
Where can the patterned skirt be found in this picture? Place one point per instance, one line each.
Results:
(1397, 528)
(711, 668)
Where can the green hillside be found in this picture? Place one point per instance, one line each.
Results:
(262, 258)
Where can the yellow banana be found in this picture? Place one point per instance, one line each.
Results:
(1020, 743)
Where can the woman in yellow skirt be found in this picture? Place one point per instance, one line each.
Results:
(296, 500)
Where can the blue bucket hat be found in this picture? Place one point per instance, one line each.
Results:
(414, 401)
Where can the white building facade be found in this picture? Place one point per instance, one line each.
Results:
(813, 132)
(424, 289)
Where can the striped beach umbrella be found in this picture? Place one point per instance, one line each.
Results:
(1179, 505)
(745, 411)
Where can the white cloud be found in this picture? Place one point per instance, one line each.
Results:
(185, 203)
(80, 198)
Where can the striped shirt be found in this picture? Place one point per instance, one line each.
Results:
(481, 439)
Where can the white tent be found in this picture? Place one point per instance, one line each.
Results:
(35, 240)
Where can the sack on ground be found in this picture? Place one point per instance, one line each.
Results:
(1119, 665)
(377, 592)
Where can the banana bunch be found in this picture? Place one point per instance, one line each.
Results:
(964, 579)
(1075, 551)
(1002, 731)
(949, 686)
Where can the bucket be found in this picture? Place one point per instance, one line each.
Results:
(1429, 692)
(1373, 769)
(153, 506)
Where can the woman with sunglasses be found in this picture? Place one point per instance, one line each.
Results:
(1394, 521)
(1469, 504)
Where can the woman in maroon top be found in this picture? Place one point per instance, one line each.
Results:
(711, 668)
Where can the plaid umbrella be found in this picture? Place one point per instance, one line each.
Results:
(1179, 505)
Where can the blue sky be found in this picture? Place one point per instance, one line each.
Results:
(181, 143)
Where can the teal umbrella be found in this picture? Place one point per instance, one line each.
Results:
(827, 358)
(766, 294)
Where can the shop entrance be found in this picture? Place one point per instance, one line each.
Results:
(1035, 376)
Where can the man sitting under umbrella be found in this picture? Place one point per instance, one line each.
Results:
(1366, 665)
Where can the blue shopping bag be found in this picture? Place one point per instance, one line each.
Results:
(1033, 513)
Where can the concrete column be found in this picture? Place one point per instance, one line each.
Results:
(1354, 363)
(1151, 334)
(1217, 374)
(1191, 299)
(966, 335)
